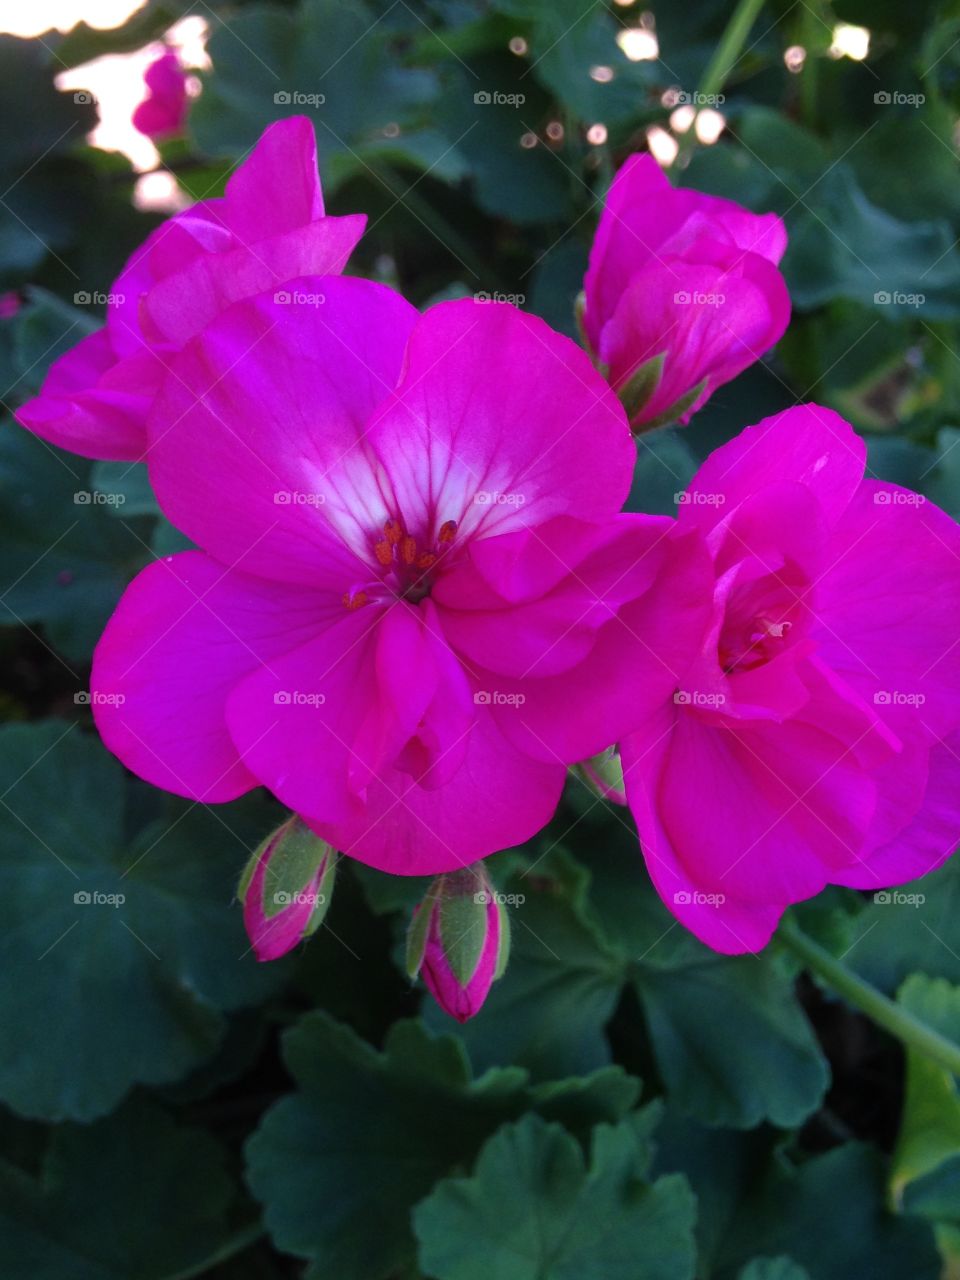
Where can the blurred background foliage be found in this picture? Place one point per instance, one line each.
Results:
(628, 1105)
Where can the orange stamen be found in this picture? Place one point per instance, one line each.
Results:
(408, 549)
(448, 531)
(356, 600)
(426, 560)
(384, 553)
(393, 531)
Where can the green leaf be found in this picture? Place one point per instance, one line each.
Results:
(707, 1015)
(368, 1134)
(323, 49)
(66, 560)
(134, 1195)
(843, 246)
(930, 1119)
(128, 484)
(118, 954)
(829, 1215)
(542, 1214)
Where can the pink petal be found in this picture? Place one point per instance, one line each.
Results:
(186, 301)
(807, 444)
(713, 317)
(277, 188)
(94, 404)
(295, 721)
(255, 442)
(637, 661)
(498, 798)
(643, 213)
(889, 605)
(718, 919)
(499, 423)
(185, 631)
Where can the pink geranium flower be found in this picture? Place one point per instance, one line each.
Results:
(268, 227)
(416, 601)
(682, 292)
(819, 724)
(163, 112)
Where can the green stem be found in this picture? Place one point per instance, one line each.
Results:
(910, 1031)
(731, 44)
(236, 1244)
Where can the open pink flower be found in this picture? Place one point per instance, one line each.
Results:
(416, 601)
(268, 227)
(163, 112)
(819, 725)
(682, 286)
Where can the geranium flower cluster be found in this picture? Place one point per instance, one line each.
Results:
(416, 601)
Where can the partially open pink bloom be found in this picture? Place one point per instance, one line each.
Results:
(682, 292)
(818, 729)
(417, 601)
(459, 941)
(286, 889)
(268, 227)
(163, 112)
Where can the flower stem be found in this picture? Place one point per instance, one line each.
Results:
(899, 1022)
(727, 52)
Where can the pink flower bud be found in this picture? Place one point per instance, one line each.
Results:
(163, 112)
(286, 889)
(681, 295)
(459, 940)
(603, 774)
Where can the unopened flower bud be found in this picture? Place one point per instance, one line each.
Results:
(603, 774)
(286, 889)
(459, 940)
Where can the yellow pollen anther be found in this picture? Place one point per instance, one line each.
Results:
(408, 549)
(384, 553)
